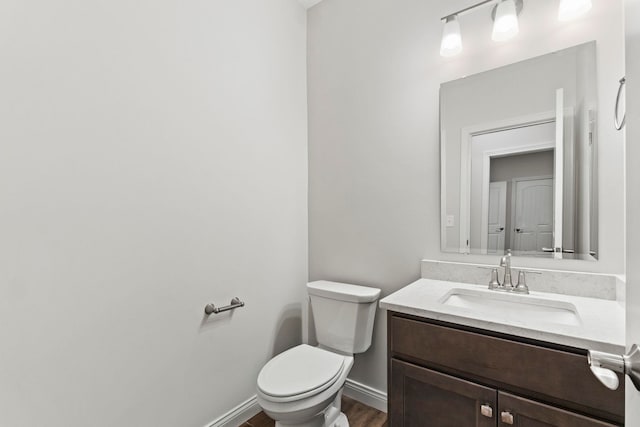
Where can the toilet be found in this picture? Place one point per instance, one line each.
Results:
(302, 386)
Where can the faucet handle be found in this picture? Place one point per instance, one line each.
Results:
(494, 283)
(521, 287)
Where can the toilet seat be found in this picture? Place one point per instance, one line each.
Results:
(299, 372)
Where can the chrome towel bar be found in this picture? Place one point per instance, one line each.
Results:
(212, 309)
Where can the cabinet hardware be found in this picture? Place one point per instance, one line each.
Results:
(486, 411)
(506, 417)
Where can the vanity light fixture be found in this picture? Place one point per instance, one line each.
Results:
(505, 16)
(451, 39)
(572, 9)
(505, 25)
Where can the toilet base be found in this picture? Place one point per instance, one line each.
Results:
(320, 421)
(330, 417)
(342, 421)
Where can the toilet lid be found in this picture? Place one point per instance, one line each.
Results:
(300, 370)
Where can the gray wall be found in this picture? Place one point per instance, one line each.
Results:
(374, 73)
(154, 159)
(522, 166)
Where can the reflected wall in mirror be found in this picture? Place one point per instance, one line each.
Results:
(519, 163)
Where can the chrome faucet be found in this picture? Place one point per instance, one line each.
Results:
(505, 262)
(507, 283)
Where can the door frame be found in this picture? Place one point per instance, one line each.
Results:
(632, 208)
(558, 184)
(467, 133)
(486, 163)
(504, 225)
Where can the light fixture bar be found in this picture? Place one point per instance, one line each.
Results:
(467, 9)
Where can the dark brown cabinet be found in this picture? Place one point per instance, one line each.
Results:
(521, 412)
(431, 398)
(445, 375)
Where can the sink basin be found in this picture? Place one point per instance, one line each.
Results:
(524, 308)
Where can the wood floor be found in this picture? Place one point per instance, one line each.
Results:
(359, 415)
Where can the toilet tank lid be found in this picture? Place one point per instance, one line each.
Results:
(343, 291)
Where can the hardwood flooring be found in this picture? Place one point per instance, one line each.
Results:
(359, 415)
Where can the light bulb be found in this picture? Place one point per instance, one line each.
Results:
(451, 38)
(506, 22)
(572, 9)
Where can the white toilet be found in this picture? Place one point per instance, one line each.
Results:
(302, 386)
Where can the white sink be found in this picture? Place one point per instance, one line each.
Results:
(524, 308)
(568, 320)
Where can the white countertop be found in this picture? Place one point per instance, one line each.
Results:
(600, 326)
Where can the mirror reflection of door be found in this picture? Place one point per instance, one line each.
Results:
(497, 217)
(483, 116)
(533, 216)
(521, 192)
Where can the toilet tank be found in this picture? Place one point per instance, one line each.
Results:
(343, 315)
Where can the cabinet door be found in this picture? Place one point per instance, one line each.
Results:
(520, 412)
(421, 397)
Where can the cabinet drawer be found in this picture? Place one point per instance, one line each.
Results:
(555, 376)
(527, 413)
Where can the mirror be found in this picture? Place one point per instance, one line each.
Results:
(518, 158)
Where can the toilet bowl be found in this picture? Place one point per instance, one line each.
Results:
(297, 386)
(302, 386)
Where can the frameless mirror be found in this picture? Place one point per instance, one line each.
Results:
(518, 158)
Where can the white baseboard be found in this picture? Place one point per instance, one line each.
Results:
(353, 389)
(365, 394)
(238, 415)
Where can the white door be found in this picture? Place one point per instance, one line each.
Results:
(533, 216)
(632, 18)
(497, 217)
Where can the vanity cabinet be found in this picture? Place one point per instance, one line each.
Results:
(423, 397)
(446, 375)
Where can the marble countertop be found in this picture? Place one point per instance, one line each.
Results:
(600, 325)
